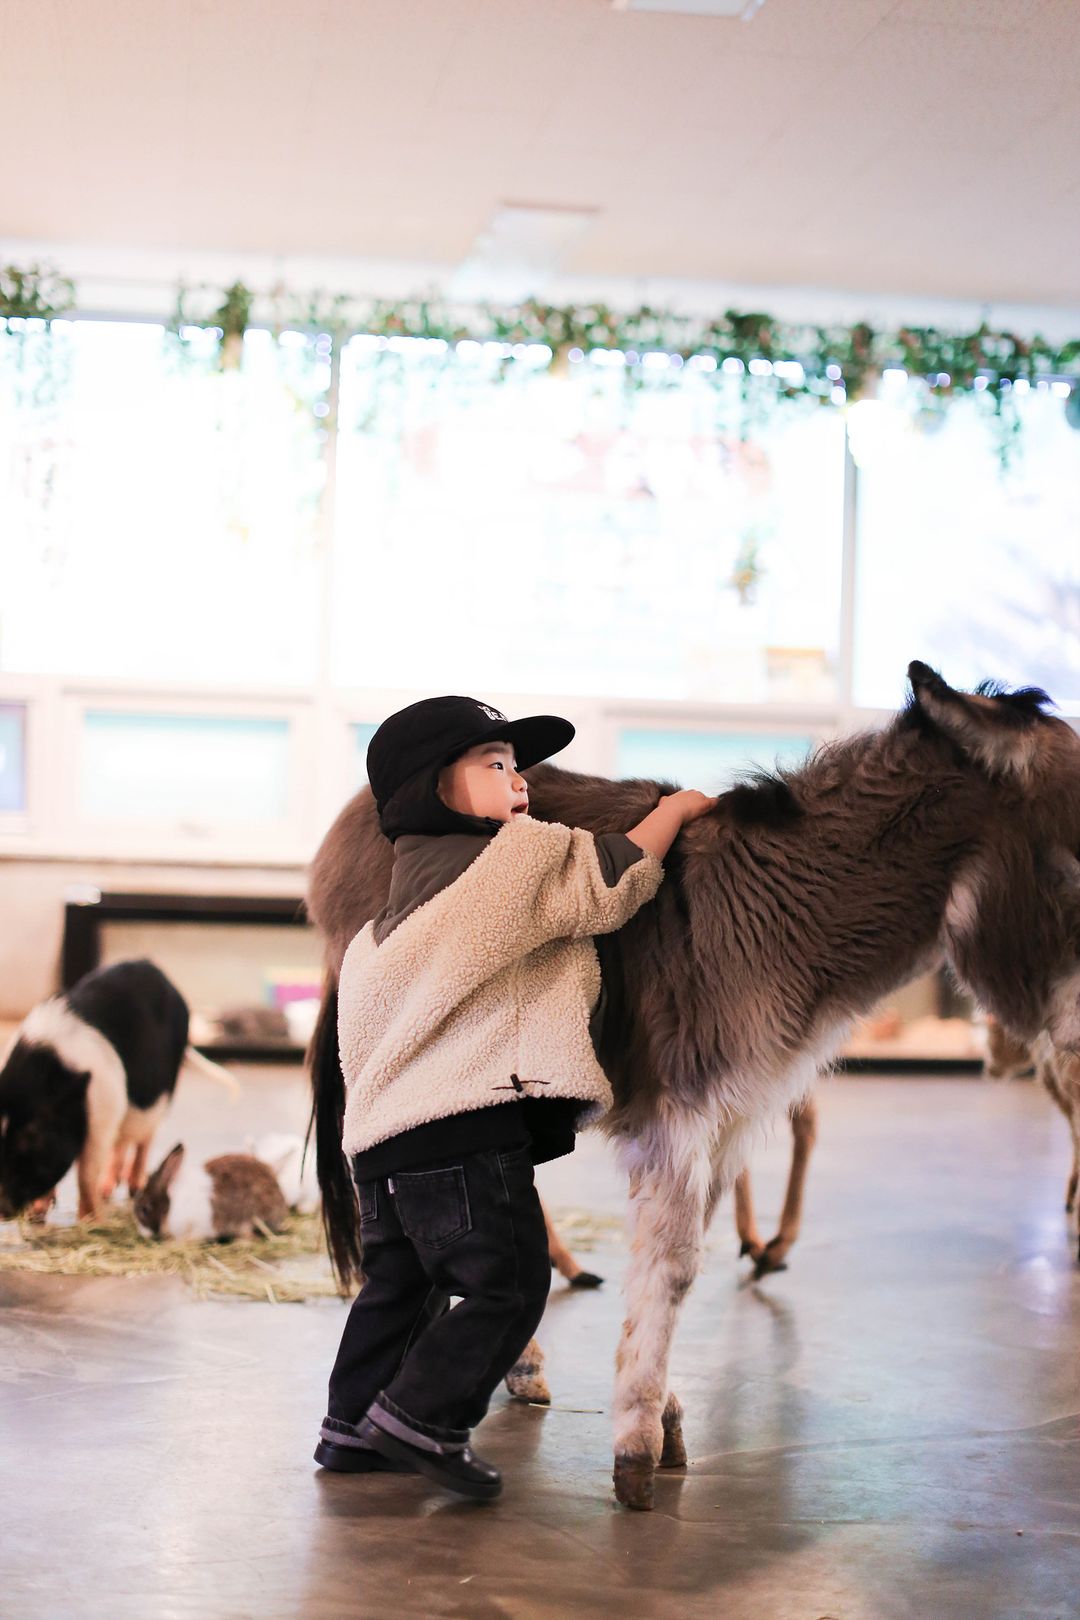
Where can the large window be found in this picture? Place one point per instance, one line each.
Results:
(499, 527)
(974, 570)
(158, 513)
(215, 581)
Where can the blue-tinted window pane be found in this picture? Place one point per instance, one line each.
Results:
(362, 735)
(12, 756)
(709, 760)
(175, 768)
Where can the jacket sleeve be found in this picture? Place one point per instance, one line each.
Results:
(615, 852)
(574, 898)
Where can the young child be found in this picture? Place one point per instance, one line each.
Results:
(463, 1024)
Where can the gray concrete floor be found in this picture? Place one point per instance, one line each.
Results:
(888, 1429)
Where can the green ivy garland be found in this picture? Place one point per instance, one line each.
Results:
(37, 293)
(851, 356)
(35, 358)
(835, 364)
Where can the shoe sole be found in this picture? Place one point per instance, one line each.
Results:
(357, 1460)
(418, 1463)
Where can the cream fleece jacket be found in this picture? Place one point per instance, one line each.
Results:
(490, 982)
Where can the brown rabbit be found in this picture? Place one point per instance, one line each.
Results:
(234, 1195)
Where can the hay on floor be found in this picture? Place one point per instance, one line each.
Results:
(586, 1228)
(280, 1268)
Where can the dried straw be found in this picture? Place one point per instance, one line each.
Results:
(286, 1266)
(586, 1228)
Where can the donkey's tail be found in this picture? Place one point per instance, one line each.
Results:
(340, 1211)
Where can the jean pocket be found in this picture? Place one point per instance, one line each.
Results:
(433, 1205)
(519, 1158)
(367, 1197)
(517, 1175)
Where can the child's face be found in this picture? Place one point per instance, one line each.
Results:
(485, 782)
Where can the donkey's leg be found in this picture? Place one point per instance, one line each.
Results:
(804, 1128)
(745, 1221)
(673, 1451)
(669, 1192)
(1067, 1097)
(1073, 1094)
(564, 1262)
(525, 1381)
(1073, 1116)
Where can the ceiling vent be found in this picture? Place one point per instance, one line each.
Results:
(743, 9)
(518, 250)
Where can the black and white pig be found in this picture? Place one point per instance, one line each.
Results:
(89, 1077)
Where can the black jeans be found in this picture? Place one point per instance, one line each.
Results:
(473, 1227)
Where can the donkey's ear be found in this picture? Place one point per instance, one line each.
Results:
(996, 729)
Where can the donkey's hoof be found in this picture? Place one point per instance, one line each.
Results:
(771, 1258)
(633, 1478)
(674, 1452)
(526, 1382)
(749, 1247)
(529, 1387)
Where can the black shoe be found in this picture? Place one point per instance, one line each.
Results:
(461, 1471)
(357, 1460)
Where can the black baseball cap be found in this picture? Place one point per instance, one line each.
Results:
(436, 730)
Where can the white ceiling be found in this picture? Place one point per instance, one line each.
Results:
(923, 147)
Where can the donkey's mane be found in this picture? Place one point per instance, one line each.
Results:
(764, 799)
(778, 798)
(1028, 702)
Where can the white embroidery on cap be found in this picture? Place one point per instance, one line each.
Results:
(492, 714)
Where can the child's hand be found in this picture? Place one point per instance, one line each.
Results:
(661, 826)
(689, 803)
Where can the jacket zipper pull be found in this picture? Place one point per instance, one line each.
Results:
(391, 1189)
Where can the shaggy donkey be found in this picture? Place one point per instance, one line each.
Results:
(786, 912)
